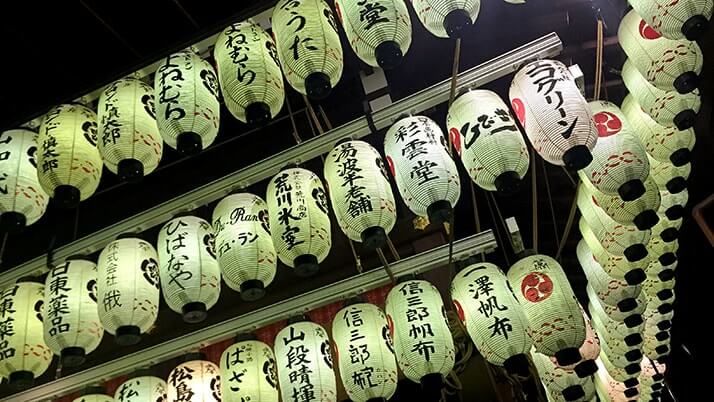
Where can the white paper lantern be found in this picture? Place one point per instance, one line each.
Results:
(195, 381)
(659, 335)
(668, 108)
(71, 321)
(609, 389)
(94, 396)
(661, 271)
(308, 46)
(676, 19)
(623, 374)
(664, 252)
(641, 212)
(659, 315)
(423, 345)
(447, 18)
(190, 277)
(249, 72)
(656, 349)
(69, 164)
(631, 318)
(629, 360)
(365, 353)
(380, 33)
(670, 177)
(667, 64)
(22, 199)
(667, 229)
(23, 353)
(493, 318)
(626, 347)
(541, 287)
(558, 380)
(129, 142)
(187, 108)
(555, 116)
(128, 289)
(297, 206)
(673, 204)
(622, 328)
(589, 351)
(141, 389)
(617, 266)
(652, 374)
(248, 373)
(302, 353)
(588, 386)
(488, 140)
(360, 193)
(245, 250)
(612, 291)
(426, 175)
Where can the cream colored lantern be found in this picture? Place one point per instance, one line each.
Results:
(623, 374)
(673, 204)
(614, 345)
(617, 266)
(667, 229)
(640, 212)
(609, 389)
(589, 351)
(656, 349)
(248, 373)
(664, 252)
(652, 374)
(447, 18)
(612, 291)
(682, 19)
(195, 380)
(659, 315)
(631, 318)
(661, 271)
(141, 389)
(558, 380)
(669, 177)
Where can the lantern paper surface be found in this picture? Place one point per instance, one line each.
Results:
(683, 19)
(302, 351)
(616, 266)
(360, 193)
(94, 398)
(667, 229)
(614, 344)
(662, 271)
(22, 200)
(248, 373)
(187, 108)
(588, 390)
(488, 140)
(667, 64)
(609, 389)
(557, 379)
(555, 116)
(195, 381)
(640, 212)
(130, 143)
(141, 389)
(610, 290)
(417, 324)
(613, 311)
(245, 250)
(652, 372)
(67, 154)
(447, 18)
(614, 327)
(670, 177)
(365, 353)
(379, 33)
(308, 46)
(673, 204)
(297, 206)
(425, 174)
(187, 264)
(656, 349)
(249, 72)
(589, 351)
(663, 251)
(619, 373)
(653, 316)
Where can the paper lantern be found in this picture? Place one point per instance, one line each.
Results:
(667, 229)
(588, 386)
(130, 143)
(245, 250)
(71, 325)
(673, 204)
(664, 252)
(676, 19)
(609, 389)
(190, 277)
(69, 163)
(632, 317)
(652, 374)
(195, 380)
(661, 271)
(622, 374)
(664, 143)
(656, 315)
(24, 355)
(248, 373)
(667, 64)
(542, 288)
(617, 266)
(670, 177)
(22, 199)
(667, 108)
(589, 351)
(630, 325)
(249, 72)
(612, 291)
(364, 352)
(651, 331)
(628, 361)
(94, 395)
(360, 193)
(379, 33)
(656, 349)
(447, 18)
(640, 212)
(308, 46)
(426, 175)
(555, 116)
(297, 206)
(187, 108)
(128, 289)
(613, 345)
(557, 379)
(497, 160)
(302, 353)
(423, 345)
(141, 389)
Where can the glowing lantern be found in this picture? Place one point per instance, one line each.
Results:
(654, 348)
(667, 229)
(302, 350)
(380, 33)
(664, 252)
(665, 107)
(661, 271)
(556, 117)
(130, 143)
(308, 46)
(640, 212)
(187, 108)
(659, 315)
(197, 380)
(496, 157)
(297, 206)
(589, 351)
(22, 199)
(251, 83)
(617, 266)
(630, 325)
(69, 163)
(612, 291)
(128, 289)
(447, 18)
(190, 277)
(24, 353)
(245, 250)
(673, 204)
(652, 374)
(676, 19)
(622, 374)
(248, 373)
(631, 318)
(613, 345)
(651, 331)
(653, 57)
(426, 175)
(94, 394)
(360, 193)
(141, 389)
(609, 389)
(557, 379)
(542, 288)
(587, 385)
(72, 327)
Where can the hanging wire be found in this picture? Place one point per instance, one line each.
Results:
(452, 96)
(393, 249)
(358, 263)
(324, 117)
(2, 247)
(386, 266)
(598, 58)
(550, 204)
(669, 390)
(574, 182)
(292, 121)
(534, 202)
(455, 72)
(496, 225)
(477, 219)
(313, 115)
(568, 225)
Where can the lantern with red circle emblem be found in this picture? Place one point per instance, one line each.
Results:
(681, 19)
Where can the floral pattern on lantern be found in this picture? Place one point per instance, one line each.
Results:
(447, 18)
(558, 380)
(615, 312)
(609, 389)
(613, 291)
(194, 380)
(141, 389)
(248, 373)
(669, 177)
(682, 19)
(673, 204)
(641, 212)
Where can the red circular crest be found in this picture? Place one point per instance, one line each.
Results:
(459, 311)
(455, 139)
(520, 108)
(391, 165)
(607, 124)
(647, 32)
(390, 324)
(536, 287)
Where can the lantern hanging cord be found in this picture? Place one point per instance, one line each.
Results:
(450, 233)
(569, 224)
(452, 89)
(328, 123)
(292, 121)
(669, 390)
(368, 117)
(573, 181)
(599, 48)
(496, 226)
(358, 263)
(76, 223)
(393, 249)
(386, 266)
(534, 202)
(313, 115)
(550, 204)
(477, 219)
(2, 247)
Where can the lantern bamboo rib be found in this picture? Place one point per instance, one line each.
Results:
(570, 177)
(550, 204)
(386, 266)
(324, 117)
(308, 105)
(568, 224)
(598, 59)
(392, 249)
(534, 201)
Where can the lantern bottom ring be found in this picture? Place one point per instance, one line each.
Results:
(257, 114)
(626, 305)
(668, 259)
(635, 252)
(568, 356)
(72, 356)
(431, 385)
(21, 379)
(586, 368)
(665, 324)
(517, 364)
(573, 392)
(662, 349)
(189, 143)
(127, 335)
(685, 119)
(252, 290)
(631, 190)
(194, 312)
(666, 275)
(577, 157)
(633, 355)
(130, 170)
(306, 265)
(674, 212)
(665, 294)
(695, 27)
(507, 183)
(646, 219)
(12, 222)
(676, 185)
(373, 237)
(681, 157)
(318, 86)
(635, 277)
(633, 339)
(439, 211)
(631, 392)
(456, 22)
(66, 196)
(686, 82)
(388, 54)
(633, 320)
